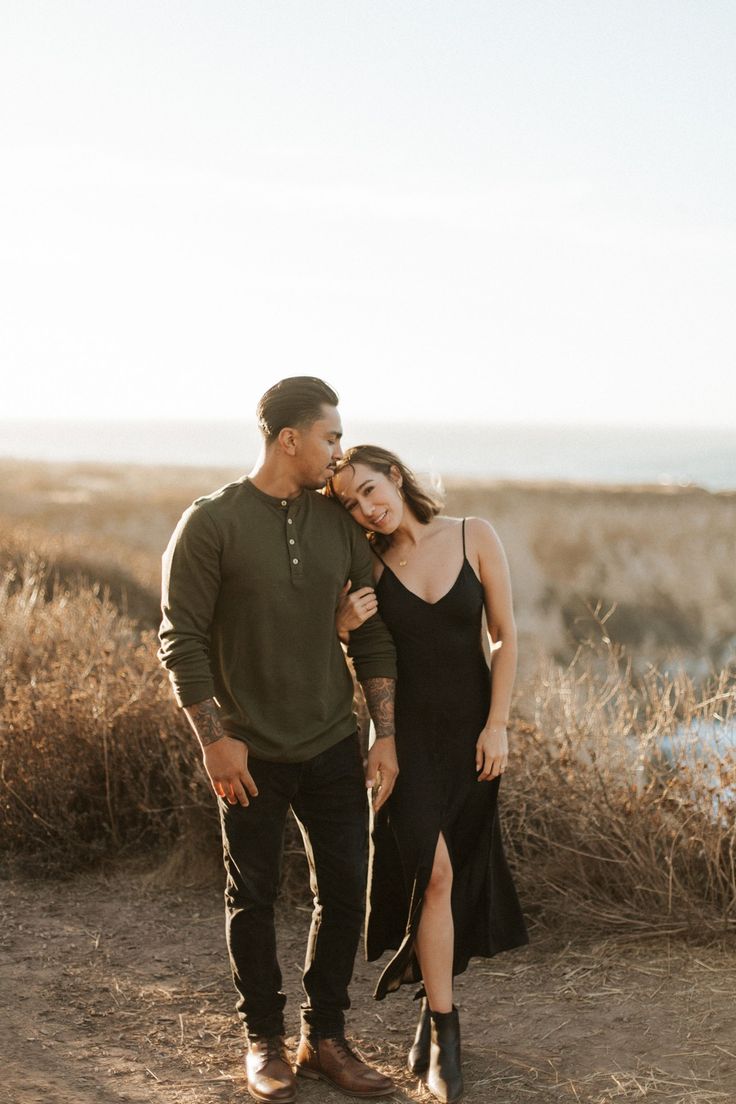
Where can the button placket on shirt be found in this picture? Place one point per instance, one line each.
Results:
(292, 547)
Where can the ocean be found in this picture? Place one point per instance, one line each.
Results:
(590, 454)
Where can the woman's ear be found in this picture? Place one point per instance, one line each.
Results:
(395, 476)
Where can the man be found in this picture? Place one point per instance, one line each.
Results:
(251, 580)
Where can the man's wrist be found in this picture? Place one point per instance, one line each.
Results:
(205, 720)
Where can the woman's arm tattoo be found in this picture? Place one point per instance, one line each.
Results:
(379, 697)
(205, 720)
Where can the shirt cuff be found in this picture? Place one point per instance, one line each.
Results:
(374, 668)
(193, 692)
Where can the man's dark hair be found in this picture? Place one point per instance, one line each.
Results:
(296, 401)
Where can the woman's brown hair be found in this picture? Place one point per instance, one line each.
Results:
(421, 502)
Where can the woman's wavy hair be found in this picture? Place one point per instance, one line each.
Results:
(422, 503)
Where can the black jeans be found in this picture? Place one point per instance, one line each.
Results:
(328, 797)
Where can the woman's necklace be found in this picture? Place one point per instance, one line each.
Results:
(403, 561)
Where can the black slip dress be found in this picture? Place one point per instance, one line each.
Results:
(442, 702)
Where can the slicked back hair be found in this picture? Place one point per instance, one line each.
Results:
(296, 402)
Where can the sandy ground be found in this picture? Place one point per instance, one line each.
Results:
(115, 992)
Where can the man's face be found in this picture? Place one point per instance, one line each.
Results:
(318, 448)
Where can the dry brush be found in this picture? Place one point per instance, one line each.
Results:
(618, 814)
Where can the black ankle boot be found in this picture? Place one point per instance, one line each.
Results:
(418, 1060)
(445, 1077)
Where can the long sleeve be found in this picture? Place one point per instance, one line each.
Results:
(250, 587)
(371, 646)
(190, 587)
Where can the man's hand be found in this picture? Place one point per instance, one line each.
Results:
(381, 771)
(353, 609)
(225, 759)
(226, 763)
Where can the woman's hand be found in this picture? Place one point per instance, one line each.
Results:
(491, 752)
(353, 609)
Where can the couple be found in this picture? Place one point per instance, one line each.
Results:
(261, 581)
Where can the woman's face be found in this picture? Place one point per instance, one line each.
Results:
(371, 497)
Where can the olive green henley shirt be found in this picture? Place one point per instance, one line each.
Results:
(250, 588)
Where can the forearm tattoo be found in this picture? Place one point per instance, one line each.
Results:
(204, 719)
(379, 696)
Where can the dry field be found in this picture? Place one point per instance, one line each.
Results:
(662, 555)
(624, 843)
(120, 993)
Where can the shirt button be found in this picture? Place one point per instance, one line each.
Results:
(290, 521)
(295, 561)
(292, 542)
(284, 502)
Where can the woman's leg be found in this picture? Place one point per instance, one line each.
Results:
(436, 935)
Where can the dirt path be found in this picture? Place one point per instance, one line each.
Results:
(113, 993)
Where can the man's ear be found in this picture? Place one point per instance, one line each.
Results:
(288, 439)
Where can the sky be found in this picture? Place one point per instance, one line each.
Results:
(511, 211)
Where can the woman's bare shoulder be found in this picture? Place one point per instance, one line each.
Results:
(444, 521)
(480, 534)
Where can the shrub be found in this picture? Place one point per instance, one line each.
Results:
(94, 759)
(619, 806)
(621, 799)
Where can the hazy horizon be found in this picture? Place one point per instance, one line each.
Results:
(585, 424)
(607, 454)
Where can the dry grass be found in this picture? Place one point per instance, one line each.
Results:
(620, 815)
(607, 823)
(92, 760)
(663, 555)
(128, 577)
(661, 558)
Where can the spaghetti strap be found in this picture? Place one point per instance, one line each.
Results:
(463, 538)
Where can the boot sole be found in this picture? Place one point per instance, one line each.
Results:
(315, 1075)
(270, 1099)
(455, 1099)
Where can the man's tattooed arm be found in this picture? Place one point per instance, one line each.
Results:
(225, 760)
(205, 720)
(379, 697)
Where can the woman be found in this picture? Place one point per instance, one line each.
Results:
(440, 890)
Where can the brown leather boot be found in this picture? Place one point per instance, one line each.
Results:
(270, 1076)
(332, 1060)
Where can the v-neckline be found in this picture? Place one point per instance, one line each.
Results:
(418, 596)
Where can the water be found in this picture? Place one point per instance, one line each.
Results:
(602, 454)
(706, 743)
